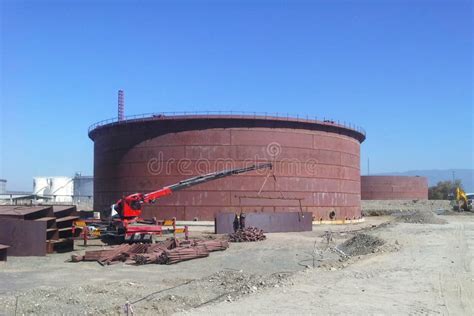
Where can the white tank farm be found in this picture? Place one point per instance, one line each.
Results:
(58, 189)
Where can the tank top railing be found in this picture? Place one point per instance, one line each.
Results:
(234, 114)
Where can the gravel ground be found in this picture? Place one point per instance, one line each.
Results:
(50, 285)
(431, 274)
(382, 258)
(108, 298)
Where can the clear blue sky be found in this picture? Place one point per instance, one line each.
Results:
(401, 69)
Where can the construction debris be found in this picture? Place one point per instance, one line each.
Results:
(247, 234)
(169, 251)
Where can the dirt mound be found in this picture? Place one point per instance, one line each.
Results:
(361, 244)
(418, 217)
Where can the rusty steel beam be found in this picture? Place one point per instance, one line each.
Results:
(25, 212)
(25, 238)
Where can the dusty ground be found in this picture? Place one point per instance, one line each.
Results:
(387, 207)
(432, 273)
(410, 268)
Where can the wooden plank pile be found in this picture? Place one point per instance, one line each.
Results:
(170, 251)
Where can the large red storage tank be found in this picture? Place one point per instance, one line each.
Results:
(316, 164)
(394, 188)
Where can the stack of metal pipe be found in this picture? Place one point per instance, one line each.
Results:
(247, 234)
(169, 251)
(182, 254)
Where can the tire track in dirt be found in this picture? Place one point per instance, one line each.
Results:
(455, 284)
(463, 273)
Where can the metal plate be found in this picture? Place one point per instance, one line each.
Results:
(280, 222)
(64, 210)
(25, 238)
(25, 212)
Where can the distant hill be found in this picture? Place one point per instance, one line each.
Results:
(434, 176)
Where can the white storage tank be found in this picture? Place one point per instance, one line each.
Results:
(83, 186)
(59, 189)
(40, 184)
(62, 189)
(83, 192)
(3, 186)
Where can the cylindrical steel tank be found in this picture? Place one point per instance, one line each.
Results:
(40, 185)
(83, 192)
(394, 188)
(316, 164)
(83, 186)
(62, 189)
(3, 186)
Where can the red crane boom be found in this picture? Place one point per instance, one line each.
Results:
(131, 206)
